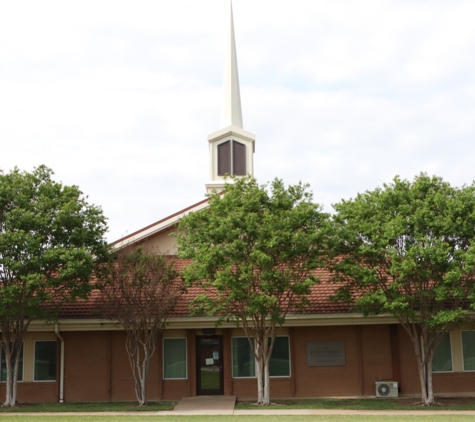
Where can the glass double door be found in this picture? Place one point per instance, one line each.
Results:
(209, 365)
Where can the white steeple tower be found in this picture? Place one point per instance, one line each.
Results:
(231, 147)
(232, 113)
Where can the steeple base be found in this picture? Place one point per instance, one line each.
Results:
(215, 186)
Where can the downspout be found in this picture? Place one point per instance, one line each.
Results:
(61, 364)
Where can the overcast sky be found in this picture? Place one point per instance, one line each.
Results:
(118, 97)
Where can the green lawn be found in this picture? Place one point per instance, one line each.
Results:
(74, 418)
(355, 404)
(91, 407)
(366, 404)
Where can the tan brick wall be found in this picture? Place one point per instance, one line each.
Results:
(409, 373)
(175, 390)
(321, 381)
(86, 366)
(376, 356)
(34, 392)
(122, 379)
(368, 357)
(457, 382)
(97, 368)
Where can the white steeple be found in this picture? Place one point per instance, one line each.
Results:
(231, 114)
(231, 147)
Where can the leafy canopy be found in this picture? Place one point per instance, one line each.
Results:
(255, 249)
(408, 250)
(51, 240)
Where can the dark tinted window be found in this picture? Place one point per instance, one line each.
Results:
(224, 158)
(239, 159)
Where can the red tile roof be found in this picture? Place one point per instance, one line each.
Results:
(319, 299)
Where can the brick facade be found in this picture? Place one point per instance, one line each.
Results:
(97, 367)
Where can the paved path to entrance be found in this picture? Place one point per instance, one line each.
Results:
(203, 405)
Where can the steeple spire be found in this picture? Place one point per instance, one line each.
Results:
(231, 148)
(231, 114)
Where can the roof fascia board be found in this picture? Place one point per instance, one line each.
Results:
(158, 226)
(210, 322)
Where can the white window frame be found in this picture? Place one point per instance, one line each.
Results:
(463, 357)
(451, 357)
(23, 363)
(34, 360)
(270, 376)
(163, 358)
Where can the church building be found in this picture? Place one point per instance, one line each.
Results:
(327, 351)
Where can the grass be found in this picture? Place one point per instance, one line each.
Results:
(348, 404)
(367, 404)
(90, 407)
(207, 418)
(357, 404)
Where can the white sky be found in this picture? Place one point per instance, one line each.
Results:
(118, 97)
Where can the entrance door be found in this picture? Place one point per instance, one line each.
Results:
(209, 365)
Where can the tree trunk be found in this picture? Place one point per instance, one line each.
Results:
(430, 389)
(260, 382)
(9, 400)
(142, 392)
(263, 356)
(266, 399)
(422, 379)
(424, 350)
(263, 385)
(11, 363)
(143, 378)
(140, 352)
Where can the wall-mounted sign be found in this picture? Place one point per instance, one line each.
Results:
(326, 353)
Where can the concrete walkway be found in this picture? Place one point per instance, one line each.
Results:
(203, 405)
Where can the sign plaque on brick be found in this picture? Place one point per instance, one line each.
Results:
(326, 353)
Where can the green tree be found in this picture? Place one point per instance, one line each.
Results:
(51, 241)
(140, 291)
(254, 252)
(407, 250)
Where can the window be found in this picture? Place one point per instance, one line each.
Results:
(468, 350)
(45, 360)
(174, 358)
(244, 362)
(279, 364)
(232, 158)
(239, 159)
(224, 158)
(442, 360)
(3, 366)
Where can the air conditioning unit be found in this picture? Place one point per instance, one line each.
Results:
(386, 389)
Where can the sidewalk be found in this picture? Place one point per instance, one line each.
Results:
(251, 412)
